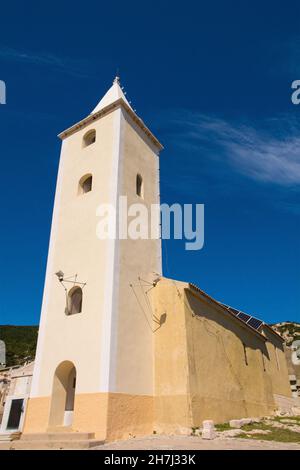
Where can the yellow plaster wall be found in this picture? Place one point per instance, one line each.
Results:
(90, 414)
(110, 416)
(276, 364)
(200, 368)
(129, 415)
(222, 386)
(199, 373)
(37, 415)
(172, 403)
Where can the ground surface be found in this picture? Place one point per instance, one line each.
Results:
(165, 443)
(269, 433)
(195, 443)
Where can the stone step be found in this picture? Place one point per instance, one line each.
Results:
(58, 436)
(6, 437)
(54, 445)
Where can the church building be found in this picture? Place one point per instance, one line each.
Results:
(123, 351)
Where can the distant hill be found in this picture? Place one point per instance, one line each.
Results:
(21, 340)
(289, 330)
(20, 343)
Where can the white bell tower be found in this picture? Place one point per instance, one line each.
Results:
(95, 348)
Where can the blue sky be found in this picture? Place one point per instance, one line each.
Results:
(213, 82)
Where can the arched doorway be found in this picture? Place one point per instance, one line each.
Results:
(63, 395)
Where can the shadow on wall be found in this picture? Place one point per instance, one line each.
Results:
(63, 395)
(216, 315)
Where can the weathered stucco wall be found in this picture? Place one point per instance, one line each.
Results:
(200, 371)
(224, 384)
(172, 411)
(129, 416)
(276, 364)
(110, 416)
(209, 365)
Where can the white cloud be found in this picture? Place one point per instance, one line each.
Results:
(13, 54)
(271, 153)
(73, 67)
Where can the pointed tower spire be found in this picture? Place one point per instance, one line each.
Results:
(113, 94)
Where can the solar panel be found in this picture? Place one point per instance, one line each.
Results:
(234, 311)
(243, 316)
(255, 323)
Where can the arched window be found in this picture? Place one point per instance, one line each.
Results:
(139, 186)
(89, 138)
(74, 301)
(85, 184)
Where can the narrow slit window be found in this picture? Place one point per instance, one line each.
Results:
(139, 185)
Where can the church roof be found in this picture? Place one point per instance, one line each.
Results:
(250, 320)
(226, 309)
(25, 370)
(254, 323)
(110, 101)
(114, 94)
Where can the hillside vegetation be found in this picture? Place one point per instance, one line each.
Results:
(290, 331)
(21, 340)
(20, 343)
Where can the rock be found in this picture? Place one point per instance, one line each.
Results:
(257, 420)
(209, 431)
(245, 421)
(238, 423)
(296, 410)
(235, 423)
(208, 434)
